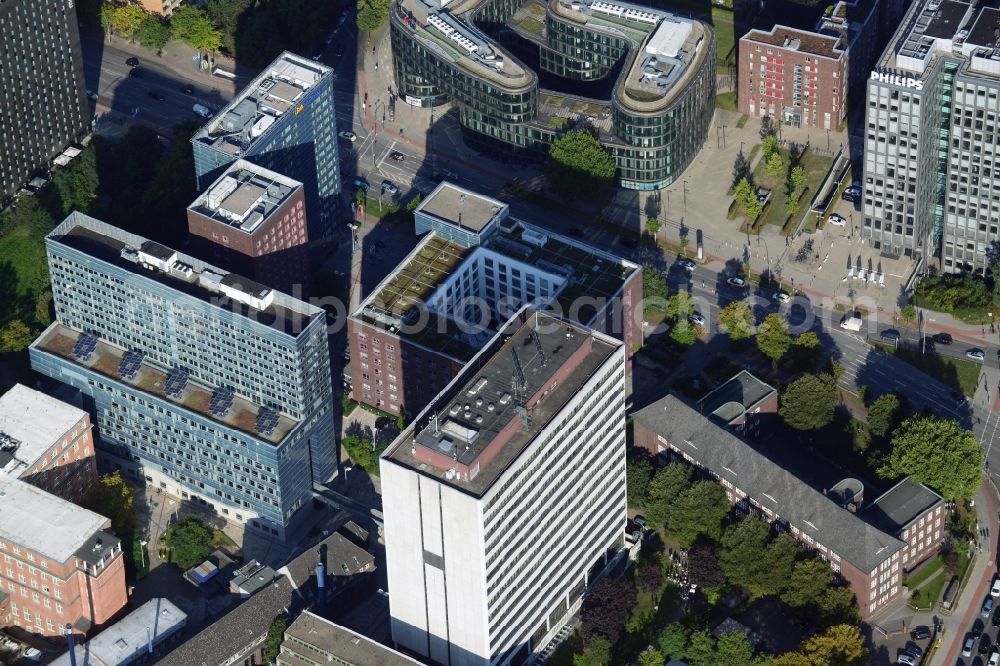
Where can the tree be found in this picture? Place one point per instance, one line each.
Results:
(734, 649)
(840, 645)
(275, 636)
(15, 336)
(937, 452)
(770, 146)
(741, 168)
(766, 127)
(579, 165)
(773, 339)
(190, 542)
(737, 319)
(809, 581)
(775, 165)
(663, 489)
(112, 496)
(882, 414)
(798, 178)
(747, 200)
(780, 555)
(226, 15)
(740, 554)
(649, 576)
(809, 401)
(806, 350)
(638, 474)
(651, 657)
(372, 14)
(597, 653)
(76, 185)
(698, 510)
(673, 640)
(153, 33)
(703, 565)
(680, 305)
(108, 14)
(127, 19)
(653, 226)
(193, 27)
(654, 288)
(838, 606)
(684, 333)
(606, 608)
(701, 649)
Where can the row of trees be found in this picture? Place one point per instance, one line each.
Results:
(188, 24)
(672, 498)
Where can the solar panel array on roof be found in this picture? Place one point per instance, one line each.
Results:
(176, 381)
(85, 346)
(130, 363)
(222, 400)
(267, 420)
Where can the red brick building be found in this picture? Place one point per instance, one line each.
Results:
(252, 221)
(802, 77)
(60, 563)
(46, 442)
(868, 547)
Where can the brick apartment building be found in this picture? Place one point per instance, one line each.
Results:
(47, 443)
(60, 563)
(867, 546)
(252, 221)
(802, 77)
(473, 271)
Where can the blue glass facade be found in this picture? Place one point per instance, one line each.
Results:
(293, 132)
(273, 358)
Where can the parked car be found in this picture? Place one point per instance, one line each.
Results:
(157, 96)
(915, 650)
(736, 282)
(890, 335)
(994, 659)
(347, 135)
(976, 354)
(686, 264)
(852, 193)
(920, 634)
(397, 156)
(995, 592)
(942, 338)
(996, 618)
(202, 111)
(985, 644)
(132, 62)
(928, 343)
(361, 184)
(640, 521)
(987, 607)
(906, 659)
(389, 187)
(187, 89)
(91, 94)
(696, 319)
(837, 220)
(967, 646)
(781, 296)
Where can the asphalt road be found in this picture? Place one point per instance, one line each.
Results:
(107, 74)
(986, 644)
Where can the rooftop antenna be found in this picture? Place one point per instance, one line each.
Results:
(538, 345)
(435, 424)
(519, 386)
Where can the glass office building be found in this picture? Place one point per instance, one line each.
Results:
(283, 121)
(932, 151)
(43, 102)
(657, 71)
(206, 384)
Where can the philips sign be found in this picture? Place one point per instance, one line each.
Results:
(896, 80)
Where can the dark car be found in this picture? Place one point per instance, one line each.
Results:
(188, 89)
(942, 338)
(977, 629)
(397, 156)
(996, 618)
(920, 634)
(157, 96)
(928, 343)
(890, 335)
(575, 232)
(135, 73)
(985, 644)
(132, 62)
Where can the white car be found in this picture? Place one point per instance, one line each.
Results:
(906, 659)
(686, 264)
(995, 592)
(696, 319)
(781, 297)
(347, 136)
(736, 282)
(976, 354)
(994, 659)
(837, 220)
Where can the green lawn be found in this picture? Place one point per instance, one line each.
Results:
(23, 248)
(957, 373)
(816, 166)
(926, 596)
(725, 38)
(726, 101)
(532, 25)
(925, 572)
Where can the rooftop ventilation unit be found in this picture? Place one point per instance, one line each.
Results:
(8, 443)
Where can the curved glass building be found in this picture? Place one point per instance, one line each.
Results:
(521, 73)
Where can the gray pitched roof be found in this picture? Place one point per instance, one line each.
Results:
(236, 631)
(770, 485)
(343, 558)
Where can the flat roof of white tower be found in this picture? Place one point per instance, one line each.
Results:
(30, 423)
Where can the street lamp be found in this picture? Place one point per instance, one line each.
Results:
(685, 195)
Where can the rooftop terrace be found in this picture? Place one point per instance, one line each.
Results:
(107, 360)
(501, 401)
(280, 88)
(151, 261)
(400, 302)
(245, 196)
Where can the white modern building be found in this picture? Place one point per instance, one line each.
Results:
(506, 496)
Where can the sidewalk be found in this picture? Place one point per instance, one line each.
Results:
(978, 585)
